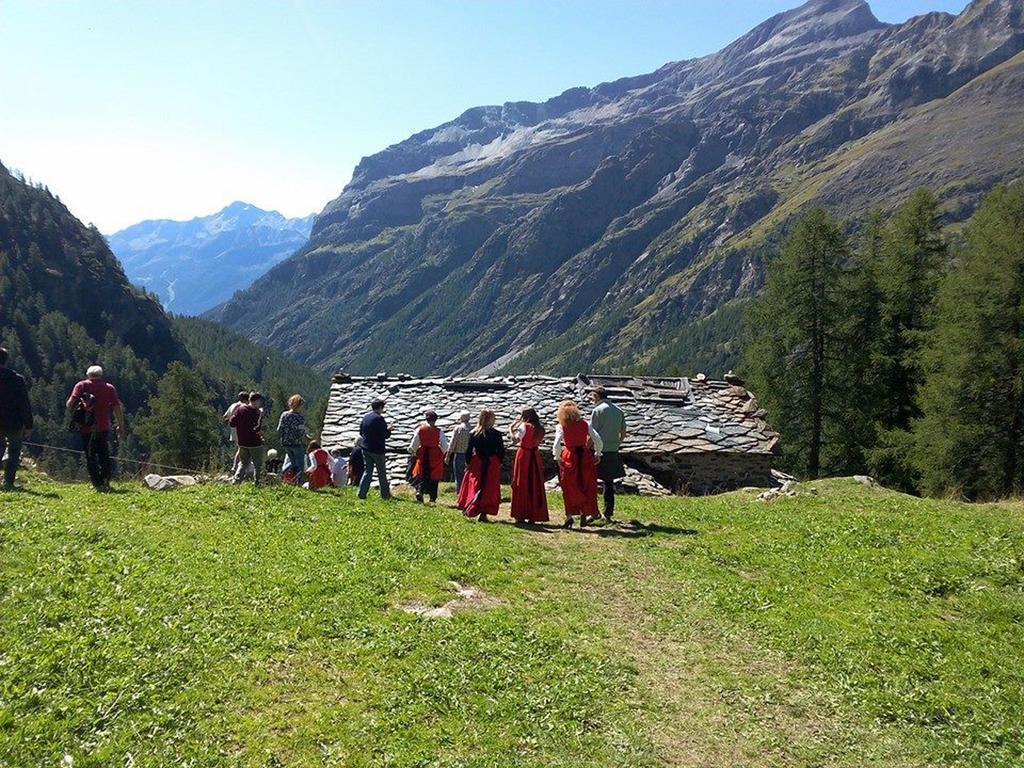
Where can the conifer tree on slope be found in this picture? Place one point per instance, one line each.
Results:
(912, 257)
(970, 437)
(795, 329)
(181, 427)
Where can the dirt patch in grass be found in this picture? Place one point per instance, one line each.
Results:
(467, 598)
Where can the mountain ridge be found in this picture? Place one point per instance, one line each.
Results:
(589, 230)
(175, 258)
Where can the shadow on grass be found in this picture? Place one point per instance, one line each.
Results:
(21, 491)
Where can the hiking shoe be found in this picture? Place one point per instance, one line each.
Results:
(567, 523)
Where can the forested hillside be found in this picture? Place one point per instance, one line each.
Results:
(65, 304)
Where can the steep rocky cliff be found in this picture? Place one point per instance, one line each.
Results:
(598, 229)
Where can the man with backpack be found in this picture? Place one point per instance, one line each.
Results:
(247, 421)
(92, 405)
(15, 418)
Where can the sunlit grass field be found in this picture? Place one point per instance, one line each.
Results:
(221, 626)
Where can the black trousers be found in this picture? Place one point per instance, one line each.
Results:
(609, 497)
(427, 488)
(97, 457)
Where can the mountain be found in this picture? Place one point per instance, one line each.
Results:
(177, 259)
(608, 227)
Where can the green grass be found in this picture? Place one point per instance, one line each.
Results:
(219, 626)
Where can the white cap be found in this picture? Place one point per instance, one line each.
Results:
(465, 416)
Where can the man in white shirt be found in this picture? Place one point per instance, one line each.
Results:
(243, 399)
(458, 443)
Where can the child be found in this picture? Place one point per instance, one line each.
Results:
(339, 468)
(318, 466)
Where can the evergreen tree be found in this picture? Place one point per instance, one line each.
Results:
(913, 255)
(857, 377)
(796, 337)
(181, 427)
(971, 436)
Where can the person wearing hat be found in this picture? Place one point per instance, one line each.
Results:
(609, 422)
(428, 445)
(458, 443)
(374, 432)
(15, 418)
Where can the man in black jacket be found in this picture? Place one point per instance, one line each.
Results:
(15, 417)
(374, 432)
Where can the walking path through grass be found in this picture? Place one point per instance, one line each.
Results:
(218, 626)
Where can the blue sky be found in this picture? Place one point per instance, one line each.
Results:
(144, 109)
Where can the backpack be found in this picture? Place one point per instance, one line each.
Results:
(83, 415)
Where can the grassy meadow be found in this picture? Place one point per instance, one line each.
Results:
(220, 626)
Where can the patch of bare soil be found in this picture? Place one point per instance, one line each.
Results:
(466, 598)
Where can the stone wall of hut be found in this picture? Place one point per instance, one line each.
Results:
(706, 472)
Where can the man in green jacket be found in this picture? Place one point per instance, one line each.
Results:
(610, 423)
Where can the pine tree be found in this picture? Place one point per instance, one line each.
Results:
(181, 428)
(795, 338)
(913, 255)
(971, 437)
(857, 378)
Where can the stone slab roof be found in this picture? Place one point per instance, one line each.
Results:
(663, 415)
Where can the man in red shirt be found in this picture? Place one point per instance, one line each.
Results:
(95, 401)
(246, 421)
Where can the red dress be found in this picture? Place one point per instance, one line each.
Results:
(480, 492)
(578, 471)
(529, 501)
(320, 473)
(429, 463)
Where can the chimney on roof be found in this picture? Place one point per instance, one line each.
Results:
(732, 378)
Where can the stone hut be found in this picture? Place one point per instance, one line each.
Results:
(686, 435)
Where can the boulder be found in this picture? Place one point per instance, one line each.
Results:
(166, 483)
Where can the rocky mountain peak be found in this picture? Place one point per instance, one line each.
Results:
(608, 223)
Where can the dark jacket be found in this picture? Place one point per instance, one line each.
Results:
(374, 431)
(15, 408)
(490, 443)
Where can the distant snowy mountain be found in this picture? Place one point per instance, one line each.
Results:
(195, 265)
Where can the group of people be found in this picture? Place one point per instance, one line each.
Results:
(585, 452)
(305, 463)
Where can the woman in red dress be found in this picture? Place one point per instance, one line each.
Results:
(577, 463)
(529, 499)
(428, 446)
(480, 492)
(318, 470)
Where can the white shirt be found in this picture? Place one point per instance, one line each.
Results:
(228, 414)
(415, 444)
(339, 472)
(594, 437)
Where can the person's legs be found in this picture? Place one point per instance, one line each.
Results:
(102, 448)
(258, 455)
(244, 457)
(609, 498)
(459, 469)
(89, 442)
(382, 475)
(364, 484)
(13, 439)
(297, 457)
(429, 488)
